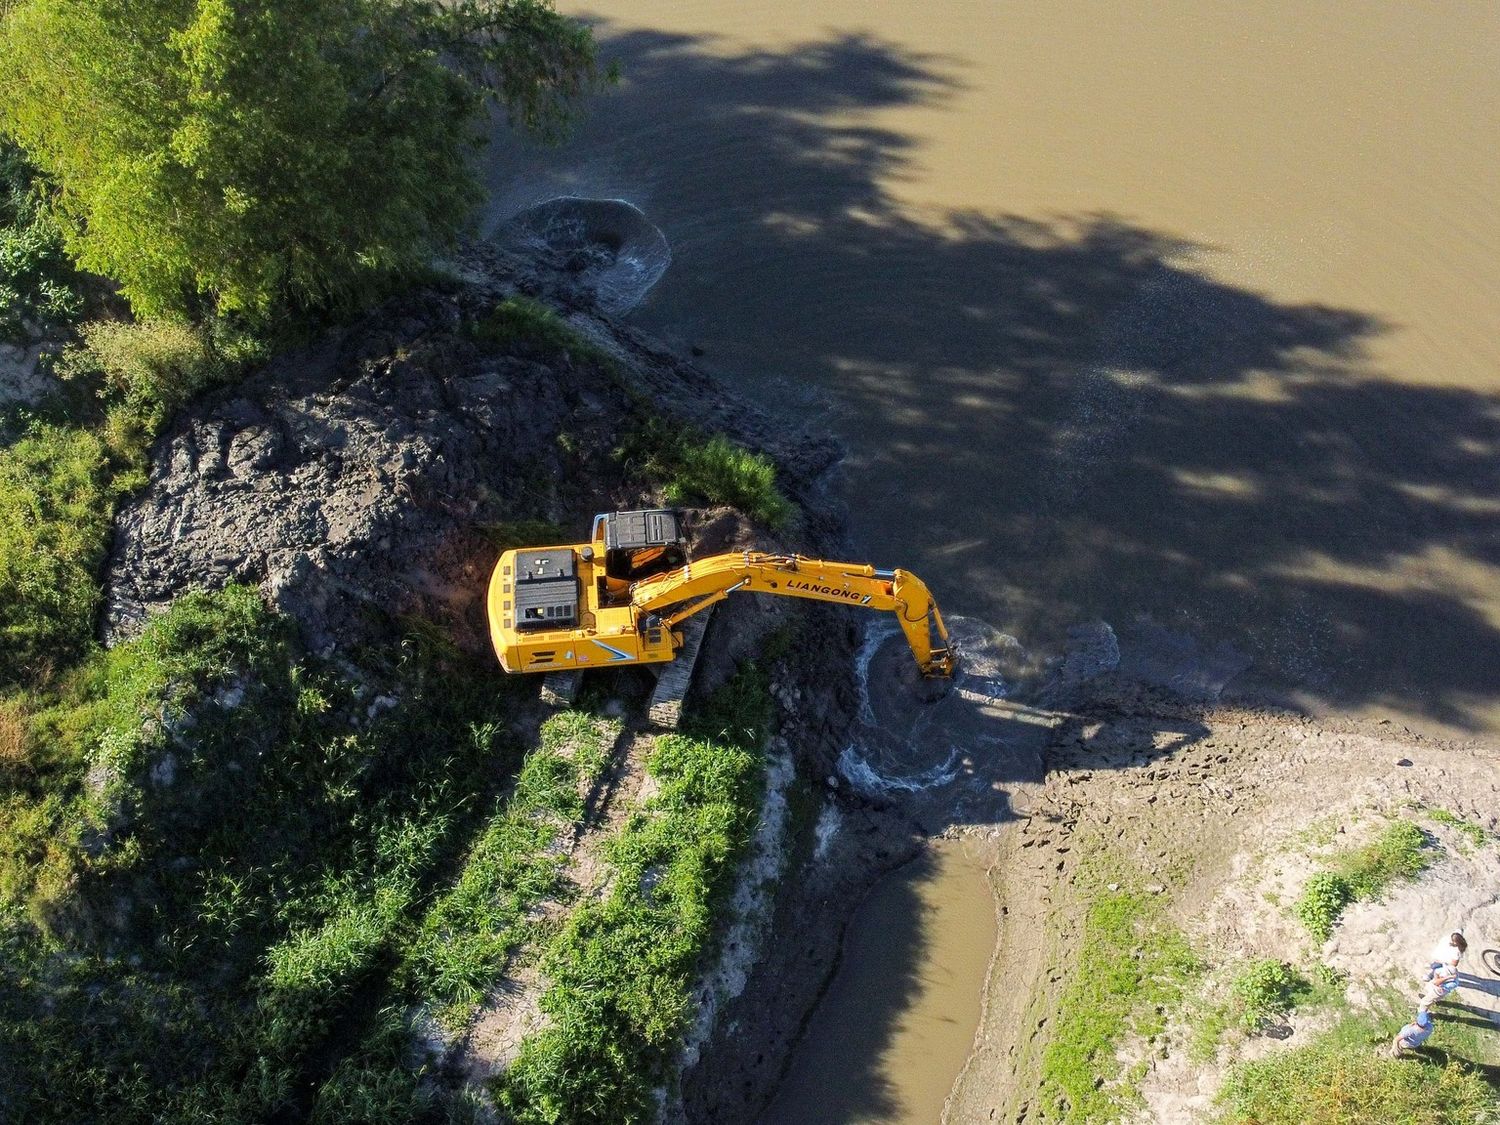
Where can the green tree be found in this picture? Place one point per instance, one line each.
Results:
(240, 155)
(37, 282)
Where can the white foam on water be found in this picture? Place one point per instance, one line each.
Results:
(876, 634)
(857, 771)
(981, 650)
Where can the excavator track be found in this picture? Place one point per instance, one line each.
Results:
(559, 689)
(672, 688)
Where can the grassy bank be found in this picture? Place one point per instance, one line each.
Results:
(216, 853)
(232, 878)
(1344, 1077)
(1132, 966)
(622, 968)
(65, 464)
(471, 929)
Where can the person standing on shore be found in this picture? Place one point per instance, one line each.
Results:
(1449, 951)
(1413, 1035)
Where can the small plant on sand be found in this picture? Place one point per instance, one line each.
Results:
(1266, 991)
(1322, 903)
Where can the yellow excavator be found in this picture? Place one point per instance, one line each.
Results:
(630, 594)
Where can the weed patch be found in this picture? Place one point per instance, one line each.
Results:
(1476, 836)
(60, 481)
(1400, 852)
(693, 468)
(1131, 967)
(57, 494)
(526, 324)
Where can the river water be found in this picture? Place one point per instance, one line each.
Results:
(1180, 316)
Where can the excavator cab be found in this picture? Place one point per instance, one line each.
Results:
(636, 545)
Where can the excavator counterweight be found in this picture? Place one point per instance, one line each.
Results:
(623, 597)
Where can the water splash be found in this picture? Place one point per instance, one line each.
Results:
(900, 745)
(608, 245)
(857, 771)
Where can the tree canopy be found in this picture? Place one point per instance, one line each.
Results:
(240, 155)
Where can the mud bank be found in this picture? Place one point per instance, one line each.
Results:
(363, 481)
(1094, 776)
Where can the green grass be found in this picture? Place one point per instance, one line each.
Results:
(693, 468)
(71, 463)
(218, 947)
(1400, 852)
(1344, 1077)
(57, 494)
(522, 323)
(1472, 832)
(471, 930)
(1132, 967)
(622, 967)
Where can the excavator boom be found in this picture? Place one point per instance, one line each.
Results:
(612, 601)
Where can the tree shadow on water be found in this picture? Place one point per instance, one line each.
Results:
(1057, 418)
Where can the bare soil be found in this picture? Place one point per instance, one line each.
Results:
(1227, 811)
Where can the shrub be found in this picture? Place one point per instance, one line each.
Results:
(152, 366)
(1322, 903)
(37, 282)
(691, 467)
(1266, 991)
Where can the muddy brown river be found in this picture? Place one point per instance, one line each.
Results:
(1182, 317)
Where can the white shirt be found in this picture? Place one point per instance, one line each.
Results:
(1445, 952)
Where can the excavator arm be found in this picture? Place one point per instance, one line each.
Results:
(678, 594)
